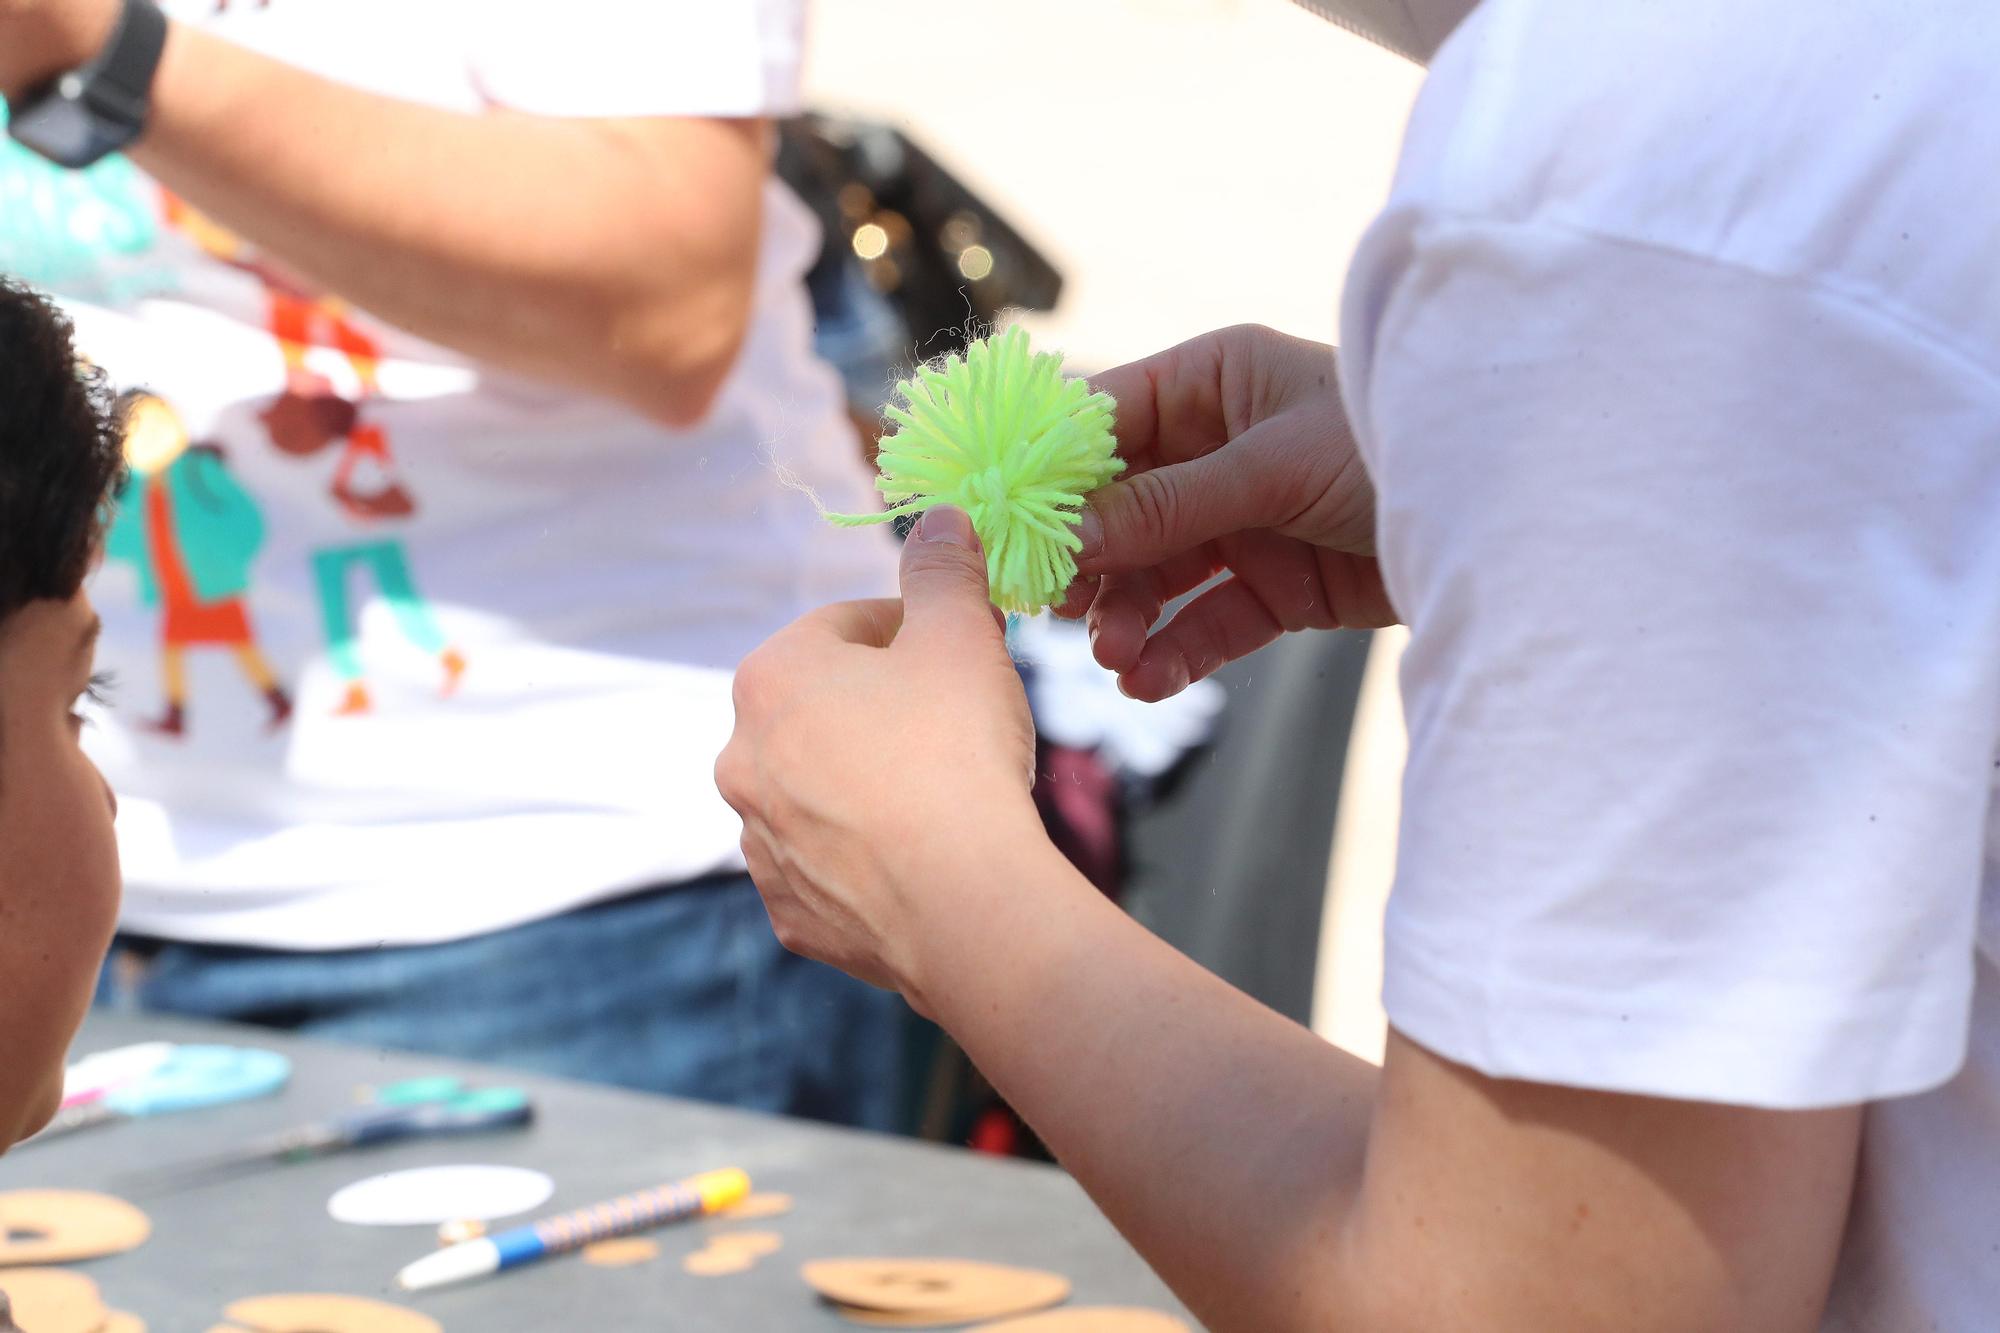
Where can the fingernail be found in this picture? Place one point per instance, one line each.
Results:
(1090, 528)
(947, 524)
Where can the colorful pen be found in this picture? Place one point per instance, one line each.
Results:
(708, 1192)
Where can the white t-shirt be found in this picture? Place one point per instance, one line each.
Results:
(1676, 360)
(579, 581)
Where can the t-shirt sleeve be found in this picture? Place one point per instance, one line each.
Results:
(640, 57)
(1702, 572)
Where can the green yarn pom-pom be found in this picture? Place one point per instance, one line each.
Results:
(1001, 434)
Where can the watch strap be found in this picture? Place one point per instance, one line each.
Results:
(119, 82)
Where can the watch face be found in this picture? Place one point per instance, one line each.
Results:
(61, 130)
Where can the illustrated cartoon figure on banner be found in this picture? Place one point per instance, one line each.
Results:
(312, 416)
(192, 532)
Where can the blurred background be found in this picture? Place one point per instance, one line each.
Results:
(1186, 164)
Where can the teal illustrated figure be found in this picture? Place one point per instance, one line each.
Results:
(192, 532)
(390, 566)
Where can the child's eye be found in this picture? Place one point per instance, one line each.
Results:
(98, 692)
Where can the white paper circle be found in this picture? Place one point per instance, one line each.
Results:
(431, 1195)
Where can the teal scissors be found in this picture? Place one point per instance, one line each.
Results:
(412, 1109)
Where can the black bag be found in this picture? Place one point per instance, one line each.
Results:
(944, 259)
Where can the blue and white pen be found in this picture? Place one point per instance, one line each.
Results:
(709, 1192)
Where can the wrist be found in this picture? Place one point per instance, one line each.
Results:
(50, 38)
(970, 903)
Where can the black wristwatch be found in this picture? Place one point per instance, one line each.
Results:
(93, 111)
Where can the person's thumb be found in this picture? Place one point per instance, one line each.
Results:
(945, 596)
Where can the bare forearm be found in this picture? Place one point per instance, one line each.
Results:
(1225, 1141)
(570, 250)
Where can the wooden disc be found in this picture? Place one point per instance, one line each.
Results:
(1091, 1319)
(937, 1290)
(716, 1263)
(757, 1206)
(756, 1244)
(622, 1252)
(952, 1318)
(322, 1313)
(53, 1300)
(63, 1226)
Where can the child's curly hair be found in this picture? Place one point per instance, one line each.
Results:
(60, 453)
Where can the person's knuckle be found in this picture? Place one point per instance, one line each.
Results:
(747, 687)
(1248, 336)
(732, 776)
(1154, 503)
(793, 937)
(1202, 646)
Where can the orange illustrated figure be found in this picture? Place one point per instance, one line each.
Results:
(192, 532)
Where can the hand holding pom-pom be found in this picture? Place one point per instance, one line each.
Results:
(1002, 435)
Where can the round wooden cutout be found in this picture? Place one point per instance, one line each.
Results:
(758, 1206)
(622, 1252)
(321, 1313)
(1090, 1319)
(53, 1300)
(717, 1263)
(916, 1293)
(63, 1226)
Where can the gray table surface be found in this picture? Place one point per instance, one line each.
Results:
(856, 1195)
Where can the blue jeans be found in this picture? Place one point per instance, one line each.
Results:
(681, 990)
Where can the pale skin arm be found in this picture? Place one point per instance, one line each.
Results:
(881, 763)
(613, 256)
(1279, 1184)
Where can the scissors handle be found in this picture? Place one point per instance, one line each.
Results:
(467, 1113)
(407, 1092)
